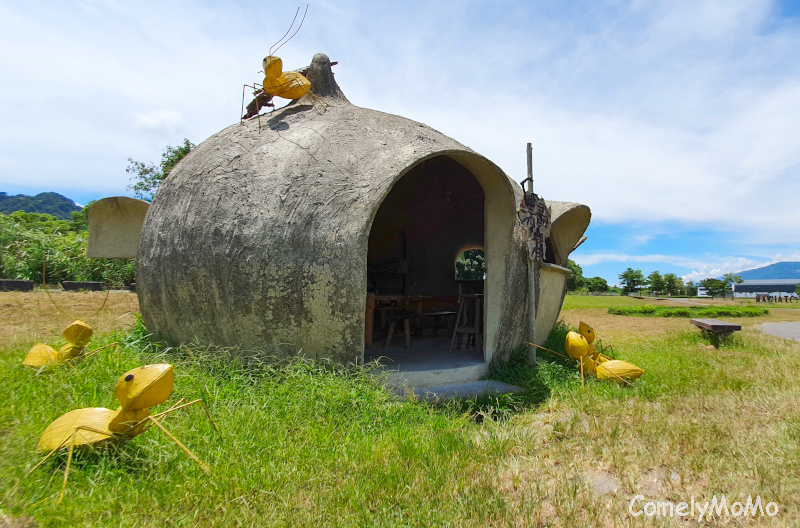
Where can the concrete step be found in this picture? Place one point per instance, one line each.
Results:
(433, 376)
(464, 390)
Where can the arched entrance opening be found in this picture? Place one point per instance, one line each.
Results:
(432, 214)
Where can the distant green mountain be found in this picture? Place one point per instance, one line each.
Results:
(49, 202)
(779, 270)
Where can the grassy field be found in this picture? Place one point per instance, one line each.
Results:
(310, 444)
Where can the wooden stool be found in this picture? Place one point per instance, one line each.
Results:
(406, 318)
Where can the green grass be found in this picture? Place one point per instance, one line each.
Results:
(315, 444)
(302, 443)
(689, 311)
(575, 302)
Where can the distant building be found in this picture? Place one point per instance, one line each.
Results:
(775, 287)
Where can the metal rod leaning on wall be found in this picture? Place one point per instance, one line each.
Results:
(533, 285)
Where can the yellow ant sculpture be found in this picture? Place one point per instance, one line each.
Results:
(291, 85)
(288, 85)
(77, 335)
(580, 348)
(137, 390)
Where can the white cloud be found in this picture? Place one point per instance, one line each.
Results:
(672, 111)
(721, 267)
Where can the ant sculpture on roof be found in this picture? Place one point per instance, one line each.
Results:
(278, 83)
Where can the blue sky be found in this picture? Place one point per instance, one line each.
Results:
(676, 121)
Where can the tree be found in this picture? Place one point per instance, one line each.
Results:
(632, 280)
(577, 280)
(47, 203)
(471, 265)
(673, 284)
(148, 177)
(729, 279)
(691, 288)
(656, 282)
(797, 290)
(721, 287)
(597, 284)
(714, 287)
(80, 219)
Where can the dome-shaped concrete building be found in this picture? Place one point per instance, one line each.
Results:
(264, 235)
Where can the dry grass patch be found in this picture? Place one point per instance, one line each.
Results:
(30, 317)
(699, 423)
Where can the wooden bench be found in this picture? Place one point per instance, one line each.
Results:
(720, 330)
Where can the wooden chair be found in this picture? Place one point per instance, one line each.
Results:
(468, 321)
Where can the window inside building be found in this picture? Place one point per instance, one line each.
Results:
(471, 265)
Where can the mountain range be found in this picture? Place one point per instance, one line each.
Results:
(48, 202)
(779, 270)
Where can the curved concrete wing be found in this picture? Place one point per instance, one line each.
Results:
(569, 222)
(114, 227)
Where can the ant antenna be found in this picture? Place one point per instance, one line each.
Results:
(290, 28)
(287, 31)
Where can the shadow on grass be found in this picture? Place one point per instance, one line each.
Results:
(537, 381)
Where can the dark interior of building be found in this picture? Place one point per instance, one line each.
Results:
(431, 215)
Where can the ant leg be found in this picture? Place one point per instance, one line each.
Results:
(179, 444)
(160, 416)
(69, 456)
(208, 414)
(177, 406)
(66, 470)
(68, 439)
(316, 99)
(42, 461)
(93, 352)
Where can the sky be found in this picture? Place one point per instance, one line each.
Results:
(676, 121)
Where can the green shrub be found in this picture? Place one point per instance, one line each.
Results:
(36, 246)
(689, 311)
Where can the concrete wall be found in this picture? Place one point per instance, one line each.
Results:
(115, 224)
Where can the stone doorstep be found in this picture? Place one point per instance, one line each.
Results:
(468, 389)
(437, 375)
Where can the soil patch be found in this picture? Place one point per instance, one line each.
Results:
(30, 317)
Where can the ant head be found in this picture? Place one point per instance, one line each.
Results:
(587, 332)
(78, 333)
(145, 387)
(273, 66)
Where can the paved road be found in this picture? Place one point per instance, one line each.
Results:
(784, 330)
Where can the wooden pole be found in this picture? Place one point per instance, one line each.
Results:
(532, 286)
(530, 167)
